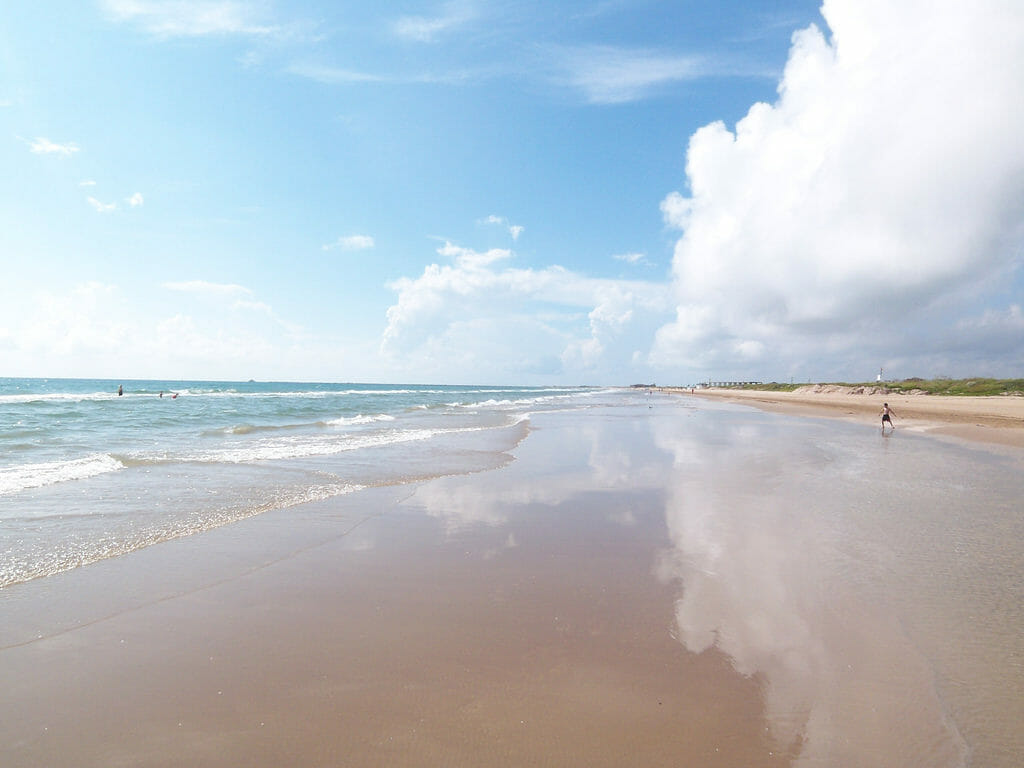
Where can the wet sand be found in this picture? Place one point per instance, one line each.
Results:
(653, 584)
(435, 624)
(417, 652)
(996, 420)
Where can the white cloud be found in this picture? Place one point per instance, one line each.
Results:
(234, 297)
(351, 243)
(43, 146)
(758, 579)
(515, 230)
(95, 329)
(87, 183)
(204, 288)
(1010, 320)
(546, 321)
(994, 335)
(255, 306)
(426, 29)
(183, 333)
(84, 319)
(630, 258)
(101, 207)
(888, 177)
(468, 259)
(610, 75)
(332, 75)
(190, 18)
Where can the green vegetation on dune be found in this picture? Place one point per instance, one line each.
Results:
(967, 387)
(960, 386)
(771, 386)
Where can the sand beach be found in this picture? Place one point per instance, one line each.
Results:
(990, 419)
(657, 581)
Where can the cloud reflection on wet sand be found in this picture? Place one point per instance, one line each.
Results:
(756, 522)
(812, 554)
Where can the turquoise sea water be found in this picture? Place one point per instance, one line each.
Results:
(86, 473)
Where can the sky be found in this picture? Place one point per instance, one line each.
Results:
(519, 192)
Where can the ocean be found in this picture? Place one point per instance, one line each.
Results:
(87, 473)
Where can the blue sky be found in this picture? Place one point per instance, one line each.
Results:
(517, 192)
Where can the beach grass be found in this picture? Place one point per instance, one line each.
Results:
(941, 386)
(771, 386)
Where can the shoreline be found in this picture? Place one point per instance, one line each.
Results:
(480, 618)
(645, 584)
(993, 420)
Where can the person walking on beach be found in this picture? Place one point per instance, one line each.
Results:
(887, 416)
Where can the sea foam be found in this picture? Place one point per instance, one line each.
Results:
(26, 476)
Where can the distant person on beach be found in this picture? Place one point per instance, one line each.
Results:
(120, 390)
(887, 416)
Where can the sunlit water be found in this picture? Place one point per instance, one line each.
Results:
(86, 473)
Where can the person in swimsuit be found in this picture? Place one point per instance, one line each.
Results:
(887, 416)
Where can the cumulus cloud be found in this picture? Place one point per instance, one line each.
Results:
(100, 329)
(351, 243)
(473, 261)
(234, 297)
(43, 146)
(135, 200)
(101, 207)
(546, 321)
(515, 230)
(85, 318)
(886, 182)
